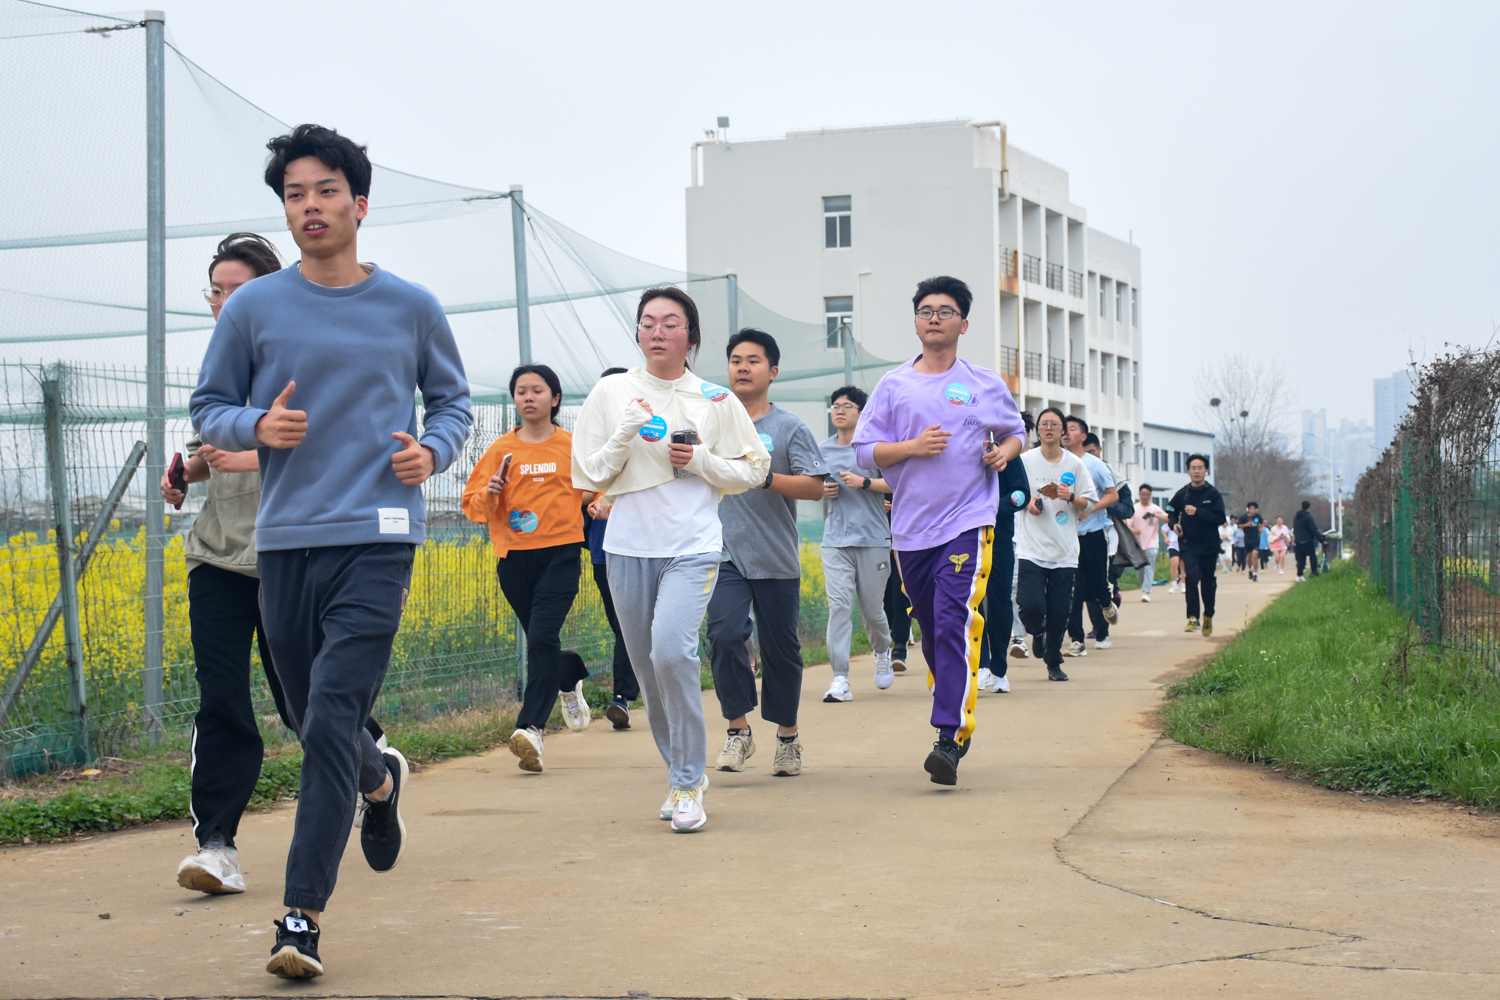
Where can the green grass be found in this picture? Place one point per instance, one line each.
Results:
(1330, 683)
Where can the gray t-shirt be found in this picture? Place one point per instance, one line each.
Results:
(760, 527)
(855, 516)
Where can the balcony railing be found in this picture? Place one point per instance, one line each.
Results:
(1033, 365)
(1009, 360)
(1075, 284)
(1055, 277)
(1007, 262)
(1075, 375)
(1031, 268)
(1056, 370)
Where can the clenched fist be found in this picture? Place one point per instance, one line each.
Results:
(280, 427)
(413, 463)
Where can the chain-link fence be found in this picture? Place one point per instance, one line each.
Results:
(1425, 519)
(458, 641)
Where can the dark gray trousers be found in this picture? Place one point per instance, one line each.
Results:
(777, 603)
(331, 616)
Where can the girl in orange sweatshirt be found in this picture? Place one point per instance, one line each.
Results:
(523, 489)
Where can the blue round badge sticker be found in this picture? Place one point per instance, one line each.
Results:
(1061, 517)
(765, 439)
(713, 393)
(1018, 499)
(1068, 479)
(958, 393)
(523, 521)
(654, 429)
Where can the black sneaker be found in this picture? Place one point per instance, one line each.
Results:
(1056, 674)
(942, 763)
(618, 713)
(295, 954)
(898, 657)
(383, 835)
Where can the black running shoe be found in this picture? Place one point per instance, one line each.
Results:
(898, 657)
(1056, 674)
(295, 954)
(618, 713)
(383, 835)
(942, 763)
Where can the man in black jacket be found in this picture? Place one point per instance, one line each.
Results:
(1196, 511)
(1306, 537)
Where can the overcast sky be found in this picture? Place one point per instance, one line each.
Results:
(1313, 183)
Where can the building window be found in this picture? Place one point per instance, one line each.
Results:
(1104, 373)
(1123, 442)
(1119, 376)
(1119, 302)
(836, 222)
(1176, 461)
(837, 310)
(1103, 292)
(1135, 380)
(1135, 307)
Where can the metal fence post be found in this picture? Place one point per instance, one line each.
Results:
(62, 515)
(156, 362)
(734, 303)
(523, 297)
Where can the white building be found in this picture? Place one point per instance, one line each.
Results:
(841, 224)
(1165, 456)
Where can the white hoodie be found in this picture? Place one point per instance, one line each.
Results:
(619, 448)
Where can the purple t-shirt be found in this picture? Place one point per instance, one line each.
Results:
(939, 496)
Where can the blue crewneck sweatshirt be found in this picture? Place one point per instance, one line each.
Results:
(359, 356)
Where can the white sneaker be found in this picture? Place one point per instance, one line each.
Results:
(1111, 612)
(215, 870)
(1104, 643)
(1002, 685)
(575, 709)
(1300, 580)
(687, 813)
(1018, 648)
(670, 806)
(1172, 589)
(526, 744)
(788, 762)
(837, 691)
(738, 748)
(986, 679)
(885, 675)
(1075, 649)
(1280, 570)
(1145, 598)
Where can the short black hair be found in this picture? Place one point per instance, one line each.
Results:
(853, 393)
(689, 309)
(328, 147)
(251, 249)
(546, 375)
(1052, 409)
(1070, 419)
(760, 338)
(1145, 486)
(1196, 457)
(1252, 503)
(613, 371)
(1092, 438)
(944, 285)
(1307, 505)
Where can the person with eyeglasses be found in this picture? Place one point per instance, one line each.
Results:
(664, 447)
(856, 548)
(942, 431)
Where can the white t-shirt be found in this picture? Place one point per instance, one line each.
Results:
(1050, 539)
(678, 518)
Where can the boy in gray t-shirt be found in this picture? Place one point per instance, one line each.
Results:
(760, 568)
(856, 548)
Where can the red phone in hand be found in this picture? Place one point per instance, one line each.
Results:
(177, 476)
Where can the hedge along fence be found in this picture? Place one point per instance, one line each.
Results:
(1425, 519)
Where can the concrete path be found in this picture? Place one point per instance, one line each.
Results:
(1080, 855)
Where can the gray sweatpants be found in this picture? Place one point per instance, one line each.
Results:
(853, 572)
(660, 604)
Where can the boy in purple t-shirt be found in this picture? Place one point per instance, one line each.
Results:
(942, 430)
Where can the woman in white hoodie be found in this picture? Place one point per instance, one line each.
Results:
(665, 446)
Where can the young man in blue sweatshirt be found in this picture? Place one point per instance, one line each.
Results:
(341, 508)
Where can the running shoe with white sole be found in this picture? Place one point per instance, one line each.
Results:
(839, 690)
(575, 709)
(986, 679)
(1111, 611)
(526, 744)
(885, 676)
(1056, 674)
(898, 657)
(1104, 643)
(1018, 648)
(1145, 598)
(215, 869)
(739, 747)
(1191, 626)
(1208, 626)
(788, 761)
(1075, 649)
(670, 805)
(687, 813)
(1172, 589)
(295, 953)
(618, 713)
(1002, 685)
(383, 835)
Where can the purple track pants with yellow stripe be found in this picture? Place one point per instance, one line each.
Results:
(945, 585)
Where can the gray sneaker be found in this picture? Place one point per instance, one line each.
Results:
(738, 748)
(788, 761)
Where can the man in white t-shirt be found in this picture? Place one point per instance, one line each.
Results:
(1047, 539)
(1091, 585)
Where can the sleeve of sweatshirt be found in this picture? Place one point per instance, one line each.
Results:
(601, 440)
(217, 407)
(1213, 511)
(447, 414)
(874, 427)
(736, 460)
(479, 505)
